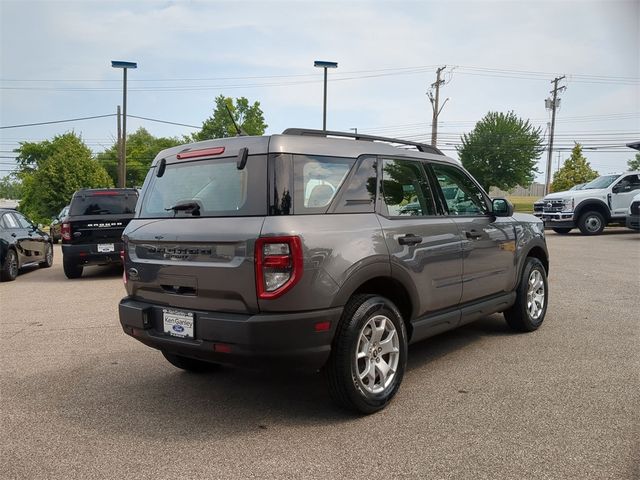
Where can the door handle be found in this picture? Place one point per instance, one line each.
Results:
(473, 234)
(409, 239)
(13, 235)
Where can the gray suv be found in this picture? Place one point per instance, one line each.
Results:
(322, 250)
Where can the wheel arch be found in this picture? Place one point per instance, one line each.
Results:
(592, 205)
(539, 253)
(384, 285)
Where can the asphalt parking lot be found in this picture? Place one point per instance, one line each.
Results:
(79, 399)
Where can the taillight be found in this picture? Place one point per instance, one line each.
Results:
(65, 231)
(278, 265)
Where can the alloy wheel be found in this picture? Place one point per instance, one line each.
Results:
(535, 295)
(377, 354)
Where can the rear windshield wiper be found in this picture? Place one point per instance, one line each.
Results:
(188, 206)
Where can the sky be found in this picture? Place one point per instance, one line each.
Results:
(55, 64)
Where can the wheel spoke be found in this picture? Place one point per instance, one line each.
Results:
(371, 374)
(384, 369)
(387, 344)
(377, 332)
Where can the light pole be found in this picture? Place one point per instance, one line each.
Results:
(122, 166)
(325, 65)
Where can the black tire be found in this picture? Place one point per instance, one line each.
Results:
(9, 269)
(342, 370)
(190, 364)
(71, 268)
(562, 231)
(519, 317)
(48, 256)
(592, 223)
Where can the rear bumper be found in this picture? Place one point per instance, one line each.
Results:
(279, 339)
(633, 222)
(87, 254)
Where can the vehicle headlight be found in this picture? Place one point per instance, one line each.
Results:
(567, 205)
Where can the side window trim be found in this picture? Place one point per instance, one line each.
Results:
(382, 208)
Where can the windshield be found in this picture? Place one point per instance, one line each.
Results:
(102, 203)
(600, 182)
(207, 188)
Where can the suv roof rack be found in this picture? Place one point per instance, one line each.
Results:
(422, 147)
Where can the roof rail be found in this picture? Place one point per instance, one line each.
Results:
(422, 147)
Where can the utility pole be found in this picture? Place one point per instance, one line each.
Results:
(119, 150)
(552, 104)
(435, 102)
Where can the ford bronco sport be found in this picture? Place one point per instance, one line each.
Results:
(322, 250)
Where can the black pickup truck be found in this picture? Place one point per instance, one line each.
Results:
(92, 231)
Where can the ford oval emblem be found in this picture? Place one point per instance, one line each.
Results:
(178, 328)
(133, 273)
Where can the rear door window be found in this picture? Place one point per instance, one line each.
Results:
(102, 203)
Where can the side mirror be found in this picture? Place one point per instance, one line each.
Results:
(501, 207)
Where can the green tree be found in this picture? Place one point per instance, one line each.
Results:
(51, 171)
(634, 163)
(249, 118)
(142, 148)
(10, 187)
(574, 171)
(501, 151)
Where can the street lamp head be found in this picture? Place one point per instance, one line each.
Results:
(121, 64)
(323, 64)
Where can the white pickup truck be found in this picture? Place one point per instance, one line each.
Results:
(599, 203)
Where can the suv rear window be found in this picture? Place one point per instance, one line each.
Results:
(103, 203)
(216, 186)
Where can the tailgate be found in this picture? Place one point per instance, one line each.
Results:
(194, 263)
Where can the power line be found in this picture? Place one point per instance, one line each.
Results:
(57, 121)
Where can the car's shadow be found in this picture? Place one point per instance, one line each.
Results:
(139, 393)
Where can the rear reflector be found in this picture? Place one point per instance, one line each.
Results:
(207, 152)
(222, 347)
(322, 326)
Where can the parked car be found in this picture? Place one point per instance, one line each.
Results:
(55, 230)
(633, 215)
(601, 202)
(306, 250)
(92, 229)
(22, 244)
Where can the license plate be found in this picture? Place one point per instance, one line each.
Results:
(105, 247)
(178, 324)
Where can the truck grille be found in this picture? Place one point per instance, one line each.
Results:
(551, 206)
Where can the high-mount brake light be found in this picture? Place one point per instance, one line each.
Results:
(278, 265)
(207, 152)
(94, 194)
(65, 231)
